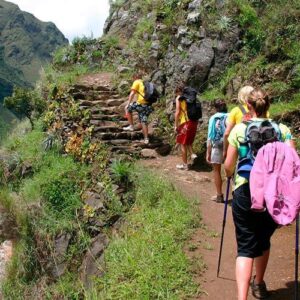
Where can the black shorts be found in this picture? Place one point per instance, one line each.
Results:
(253, 229)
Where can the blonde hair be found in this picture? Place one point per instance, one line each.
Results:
(244, 93)
(260, 102)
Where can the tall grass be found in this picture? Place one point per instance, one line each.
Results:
(146, 260)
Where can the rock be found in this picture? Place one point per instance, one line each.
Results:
(200, 61)
(93, 262)
(61, 245)
(182, 31)
(186, 42)
(122, 69)
(94, 200)
(149, 153)
(164, 149)
(123, 85)
(193, 18)
(195, 5)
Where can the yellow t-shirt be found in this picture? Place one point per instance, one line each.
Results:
(236, 115)
(183, 113)
(138, 86)
(238, 134)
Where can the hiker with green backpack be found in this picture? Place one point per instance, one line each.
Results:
(253, 229)
(214, 153)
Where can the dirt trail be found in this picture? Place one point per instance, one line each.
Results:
(206, 241)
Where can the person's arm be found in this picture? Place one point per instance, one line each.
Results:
(229, 127)
(208, 152)
(231, 159)
(131, 96)
(177, 113)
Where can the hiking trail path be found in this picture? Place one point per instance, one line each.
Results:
(107, 108)
(205, 241)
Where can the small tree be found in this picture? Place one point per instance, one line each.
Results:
(25, 103)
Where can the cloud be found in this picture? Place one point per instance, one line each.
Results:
(74, 18)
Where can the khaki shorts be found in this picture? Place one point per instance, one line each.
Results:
(217, 155)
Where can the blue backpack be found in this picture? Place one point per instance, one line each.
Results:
(257, 134)
(218, 127)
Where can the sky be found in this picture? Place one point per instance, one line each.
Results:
(74, 18)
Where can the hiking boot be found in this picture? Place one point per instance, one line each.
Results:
(128, 128)
(182, 167)
(218, 198)
(259, 291)
(146, 141)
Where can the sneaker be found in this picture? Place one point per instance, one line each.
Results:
(193, 156)
(259, 291)
(128, 128)
(218, 198)
(146, 141)
(182, 167)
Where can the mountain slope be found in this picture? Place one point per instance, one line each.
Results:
(26, 45)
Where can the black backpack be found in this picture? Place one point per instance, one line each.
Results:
(194, 109)
(151, 95)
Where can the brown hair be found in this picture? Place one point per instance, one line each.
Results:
(138, 75)
(179, 88)
(220, 106)
(260, 102)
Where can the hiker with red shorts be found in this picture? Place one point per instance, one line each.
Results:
(184, 128)
(253, 229)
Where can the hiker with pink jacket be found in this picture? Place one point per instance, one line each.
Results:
(253, 229)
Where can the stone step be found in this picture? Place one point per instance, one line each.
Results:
(109, 129)
(113, 117)
(87, 87)
(110, 103)
(123, 137)
(126, 150)
(108, 123)
(94, 96)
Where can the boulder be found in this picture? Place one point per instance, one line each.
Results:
(93, 262)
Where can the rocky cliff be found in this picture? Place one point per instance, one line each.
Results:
(25, 45)
(215, 46)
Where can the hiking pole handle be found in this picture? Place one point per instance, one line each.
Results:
(224, 223)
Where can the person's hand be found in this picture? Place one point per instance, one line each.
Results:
(175, 129)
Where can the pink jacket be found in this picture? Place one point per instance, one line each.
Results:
(275, 182)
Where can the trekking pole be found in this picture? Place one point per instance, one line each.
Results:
(296, 258)
(224, 222)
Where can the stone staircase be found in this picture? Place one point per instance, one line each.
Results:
(106, 109)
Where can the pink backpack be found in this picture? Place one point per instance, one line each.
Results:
(275, 182)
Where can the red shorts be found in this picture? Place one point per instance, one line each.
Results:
(186, 133)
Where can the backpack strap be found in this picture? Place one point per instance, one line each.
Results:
(243, 110)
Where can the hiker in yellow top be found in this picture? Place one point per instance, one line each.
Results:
(185, 129)
(139, 105)
(238, 114)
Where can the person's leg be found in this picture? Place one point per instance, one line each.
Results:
(184, 153)
(218, 178)
(129, 118)
(145, 130)
(243, 271)
(261, 263)
(190, 149)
